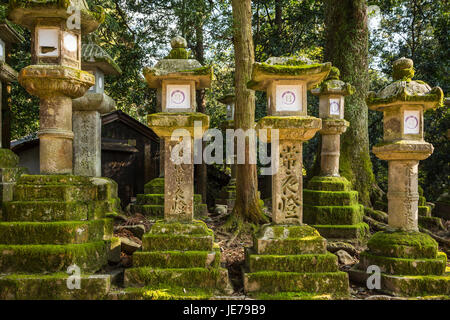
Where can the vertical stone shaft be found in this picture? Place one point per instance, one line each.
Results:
(178, 186)
(56, 135)
(287, 184)
(403, 195)
(87, 143)
(330, 153)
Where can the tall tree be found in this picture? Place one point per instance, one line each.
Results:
(346, 46)
(247, 205)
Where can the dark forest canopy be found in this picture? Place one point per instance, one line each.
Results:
(136, 33)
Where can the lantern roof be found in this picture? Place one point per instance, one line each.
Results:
(26, 12)
(178, 66)
(8, 33)
(404, 90)
(227, 99)
(92, 55)
(287, 68)
(333, 85)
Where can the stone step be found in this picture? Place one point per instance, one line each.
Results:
(162, 293)
(53, 180)
(90, 257)
(168, 242)
(424, 211)
(177, 259)
(158, 199)
(157, 211)
(330, 198)
(329, 184)
(11, 175)
(332, 215)
(53, 287)
(63, 232)
(295, 296)
(289, 240)
(399, 266)
(407, 285)
(24, 192)
(292, 263)
(359, 231)
(155, 186)
(315, 283)
(216, 278)
(50, 211)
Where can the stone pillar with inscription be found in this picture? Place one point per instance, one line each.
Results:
(87, 111)
(289, 259)
(227, 195)
(409, 261)
(330, 205)
(151, 203)
(178, 241)
(56, 233)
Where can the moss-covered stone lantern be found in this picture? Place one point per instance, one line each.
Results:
(87, 111)
(227, 195)
(55, 76)
(329, 203)
(173, 242)
(283, 260)
(410, 261)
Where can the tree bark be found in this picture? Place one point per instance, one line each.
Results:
(247, 205)
(346, 46)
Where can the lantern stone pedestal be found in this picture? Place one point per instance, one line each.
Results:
(227, 195)
(178, 253)
(289, 259)
(410, 262)
(56, 224)
(330, 205)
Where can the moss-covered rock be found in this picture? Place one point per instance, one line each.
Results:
(329, 184)
(8, 159)
(177, 259)
(53, 287)
(273, 282)
(188, 277)
(162, 293)
(46, 211)
(359, 231)
(293, 263)
(63, 232)
(47, 192)
(90, 257)
(332, 215)
(167, 242)
(330, 198)
(399, 244)
(401, 266)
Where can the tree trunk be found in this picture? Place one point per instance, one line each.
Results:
(247, 205)
(346, 46)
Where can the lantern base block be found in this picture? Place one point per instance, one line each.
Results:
(151, 203)
(178, 255)
(292, 262)
(332, 208)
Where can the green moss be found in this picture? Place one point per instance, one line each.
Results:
(45, 211)
(90, 257)
(431, 223)
(376, 214)
(424, 211)
(52, 287)
(435, 95)
(332, 215)
(163, 293)
(195, 227)
(292, 70)
(65, 232)
(319, 283)
(175, 259)
(293, 263)
(401, 266)
(178, 53)
(188, 278)
(330, 198)
(284, 122)
(418, 286)
(8, 159)
(295, 296)
(358, 231)
(57, 192)
(53, 180)
(329, 184)
(403, 74)
(403, 245)
(150, 211)
(168, 242)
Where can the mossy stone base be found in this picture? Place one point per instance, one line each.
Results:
(408, 245)
(289, 240)
(330, 198)
(407, 285)
(162, 293)
(316, 283)
(332, 215)
(431, 223)
(177, 255)
(424, 211)
(53, 287)
(329, 184)
(151, 204)
(358, 231)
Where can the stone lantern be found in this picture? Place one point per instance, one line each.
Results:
(228, 193)
(178, 236)
(58, 226)
(88, 109)
(409, 261)
(329, 203)
(9, 172)
(283, 258)
(55, 76)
